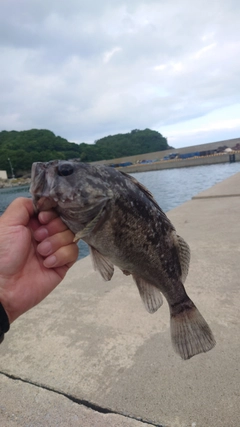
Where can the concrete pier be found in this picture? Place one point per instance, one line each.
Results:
(181, 163)
(90, 355)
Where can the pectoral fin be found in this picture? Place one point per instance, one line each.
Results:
(89, 227)
(101, 264)
(151, 296)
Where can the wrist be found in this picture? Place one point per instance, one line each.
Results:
(4, 323)
(7, 297)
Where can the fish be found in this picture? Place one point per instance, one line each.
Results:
(124, 226)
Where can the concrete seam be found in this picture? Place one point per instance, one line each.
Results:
(82, 402)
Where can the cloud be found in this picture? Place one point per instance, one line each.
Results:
(108, 55)
(88, 69)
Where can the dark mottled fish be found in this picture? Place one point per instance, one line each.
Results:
(124, 226)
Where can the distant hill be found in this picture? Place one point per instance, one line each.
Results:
(40, 145)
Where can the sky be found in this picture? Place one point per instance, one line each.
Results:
(88, 69)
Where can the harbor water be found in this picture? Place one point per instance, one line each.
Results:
(170, 187)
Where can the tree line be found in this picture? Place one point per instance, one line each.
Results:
(40, 145)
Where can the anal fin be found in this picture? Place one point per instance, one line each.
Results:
(101, 264)
(151, 296)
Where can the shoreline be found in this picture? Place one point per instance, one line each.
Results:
(146, 167)
(15, 182)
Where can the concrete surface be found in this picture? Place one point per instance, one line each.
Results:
(228, 188)
(94, 342)
(37, 407)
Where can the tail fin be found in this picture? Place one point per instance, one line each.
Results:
(190, 333)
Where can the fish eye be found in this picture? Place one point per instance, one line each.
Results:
(65, 169)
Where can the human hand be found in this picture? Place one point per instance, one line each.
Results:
(35, 254)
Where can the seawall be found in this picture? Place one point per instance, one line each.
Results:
(180, 163)
(159, 155)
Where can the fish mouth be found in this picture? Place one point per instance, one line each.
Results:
(45, 203)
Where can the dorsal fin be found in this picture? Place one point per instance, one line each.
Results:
(142, 188)
(149, 195)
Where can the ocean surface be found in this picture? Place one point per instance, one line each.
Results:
(170, 187)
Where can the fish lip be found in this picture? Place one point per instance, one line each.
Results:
(45, 203)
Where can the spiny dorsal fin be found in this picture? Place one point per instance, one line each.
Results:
(149, 195)
(101, 264)
(142, 188)
(151, 296)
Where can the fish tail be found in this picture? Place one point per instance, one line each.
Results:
(190, 333)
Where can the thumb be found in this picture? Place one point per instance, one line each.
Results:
(18, 212)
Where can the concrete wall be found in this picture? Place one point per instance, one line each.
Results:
(180, 163)
(160, 154)
(3, 175)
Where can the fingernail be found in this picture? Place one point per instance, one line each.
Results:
(41, 234)
(45, 248)
(50, 261)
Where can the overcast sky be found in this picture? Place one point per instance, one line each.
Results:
(87, 69)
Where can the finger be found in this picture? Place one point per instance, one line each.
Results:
(34, 224)
(46, 216)
(18, 212)
(52, 244)
(54, 227)
(65, 256)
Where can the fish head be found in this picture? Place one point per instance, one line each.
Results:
(52, 183)
(75, 190)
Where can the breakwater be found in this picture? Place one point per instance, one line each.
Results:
(157, 162)
(182, 163)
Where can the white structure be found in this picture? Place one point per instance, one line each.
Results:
(3, 175)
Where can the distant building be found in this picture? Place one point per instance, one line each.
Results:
(3, 175)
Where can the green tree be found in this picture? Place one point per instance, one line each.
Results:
(41, 145)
